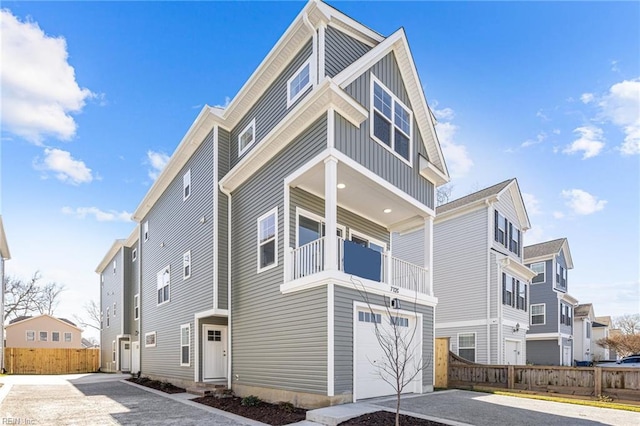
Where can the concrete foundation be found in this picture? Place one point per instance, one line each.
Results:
(299, 399)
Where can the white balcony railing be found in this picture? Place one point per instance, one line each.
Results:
(309, 259)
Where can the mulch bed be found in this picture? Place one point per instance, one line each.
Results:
(165, 387)
(385, 418)
(272, 414)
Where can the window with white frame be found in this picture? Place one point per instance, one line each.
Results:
(67, 336)
(366, 316)
(247, 137)
(501, 226)
(145, 230)
(561, 276)
(55, 336)
(522, 295)
(540, 269)
(136, 306)
(467, 346)
(311, 227)
(186, 265)
(298, 83)
(163, 284)
(588, 326)
(150, 339)
(507, 290)
(186, 185)
(113, 350)
(108, 317)
(391, 121)
(185, 345)
(366, 241)
(43, 336)
(31, 336)
(114, 309)
(268, 240)
(134, 255)
(538, 314)
(114, 267)
(514, 234)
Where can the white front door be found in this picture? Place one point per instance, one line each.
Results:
(512, 349)
(214, 351)
(135, 357)
(370, 360)
(125, 355)
(566, 355)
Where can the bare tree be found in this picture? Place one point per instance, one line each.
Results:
(623, 344)
(92, 316)
(627, 323)
(48, 298)
(25, 297)
(443, 194)
(401, 363)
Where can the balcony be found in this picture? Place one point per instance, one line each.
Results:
(366, 265)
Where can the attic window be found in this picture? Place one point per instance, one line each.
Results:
(391, 121)
(247, 137)
(298, 83)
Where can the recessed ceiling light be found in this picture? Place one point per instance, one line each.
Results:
(387, 210)
(341, 186)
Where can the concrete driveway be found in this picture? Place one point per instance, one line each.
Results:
(99, 399)
(482, 409)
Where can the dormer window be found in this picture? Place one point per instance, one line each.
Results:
(391, 121)
(299, 83)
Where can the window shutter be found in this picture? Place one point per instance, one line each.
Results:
(495, 228)
(516, 294)
(519, 248)
(508, 229)
(525, 298)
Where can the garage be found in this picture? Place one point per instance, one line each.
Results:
(369, 358)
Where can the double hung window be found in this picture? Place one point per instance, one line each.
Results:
(391, 121)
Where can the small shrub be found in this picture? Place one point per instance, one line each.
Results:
(605, 398)
(287, 407)
(251, 401)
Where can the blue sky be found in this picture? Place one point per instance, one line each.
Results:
(95, 95)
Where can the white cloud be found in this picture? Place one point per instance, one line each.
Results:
(535, 235)
(39, 88)
(542, 116)
(227, 101)
(556, 131)
(532, 204)
(558, 215)
(100, 215)
(587, 98)
(157, 161)
(581, 202)
(614, 66)
(541, 137)
(64, 166)
(443, 114)
(590, 142)
(622, 107)
(457, 156)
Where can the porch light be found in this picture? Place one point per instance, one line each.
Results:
(341, 186)
(387, 210)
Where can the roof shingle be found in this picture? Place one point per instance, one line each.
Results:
(476, 196)
(543, 249)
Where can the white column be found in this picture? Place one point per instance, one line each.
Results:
(428, 251)
(331, 213)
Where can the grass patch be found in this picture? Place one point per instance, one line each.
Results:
(586, 402)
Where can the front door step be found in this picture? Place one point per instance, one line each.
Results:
(207, 389)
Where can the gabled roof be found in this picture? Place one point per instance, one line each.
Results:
(549, 249)
(24, 319)
(4, 247)
(604, 321)
(584, 310)
(491, 194)
(117, 245)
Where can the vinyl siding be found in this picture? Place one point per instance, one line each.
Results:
(481, 339)
(460, 267)
(279, 341)
(111, 292)
(341, 51)
(544, 293)
(562, 261)
(543, 352)
(410, 247)
(270, 108)
(315, 205)
(506, 207)
(131, 284)
(508, 333)
(175, 228)
(343, 337)
(222, 217)
(358, 144)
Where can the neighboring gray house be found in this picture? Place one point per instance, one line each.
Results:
(479, 277)
(120, 306)
(274, 222)
(550, 338)
(583, 340)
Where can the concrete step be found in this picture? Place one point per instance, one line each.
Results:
(333, 416)
(207, 389)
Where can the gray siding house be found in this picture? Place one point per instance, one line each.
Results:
(267, 244)
(550, 338)
(119, 306)
(479, 276)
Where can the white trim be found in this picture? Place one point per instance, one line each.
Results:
(134, 255)
(26, 335)
(347, 26)
(330, 340)
(136, 306)
(145, 230)
(65, 336)
(186, 183)
(544, 314)
(546, 336)
(188, 327)
(166, 269)
(544, 271)
(222, 313)
(186, 262)
(52, 336)
(309, 215)
(155, 339)
(272, 212)
(488, 278)
(216, 219)
(363, 236)
(395, 100)
(475, 344)
(311, 83)
(321, 51)
(462, 324)
(241, 149)
(331, 128)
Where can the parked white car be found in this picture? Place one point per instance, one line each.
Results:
(629, 361)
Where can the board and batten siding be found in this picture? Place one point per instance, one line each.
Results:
(460, 267)
(175, 228)
(279, 340)
(111, 292)
(343, 336)
(222, 217)
(352, 222)
(543, 352)
(544, 293)
(410, 246)
(133, 287)
(341, 50)
(358, 144)
(269, 110)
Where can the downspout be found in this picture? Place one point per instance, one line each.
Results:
(229, 299)
(314, 47)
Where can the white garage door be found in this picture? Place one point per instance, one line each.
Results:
(370, 361)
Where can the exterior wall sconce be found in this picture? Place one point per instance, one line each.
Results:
(516, 328)
(161, 244)
(203, 219)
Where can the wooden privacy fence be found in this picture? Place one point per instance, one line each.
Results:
(622, 383)
(51, 361)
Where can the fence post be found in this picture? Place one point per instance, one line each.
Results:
(597, 380)
(511, 376)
